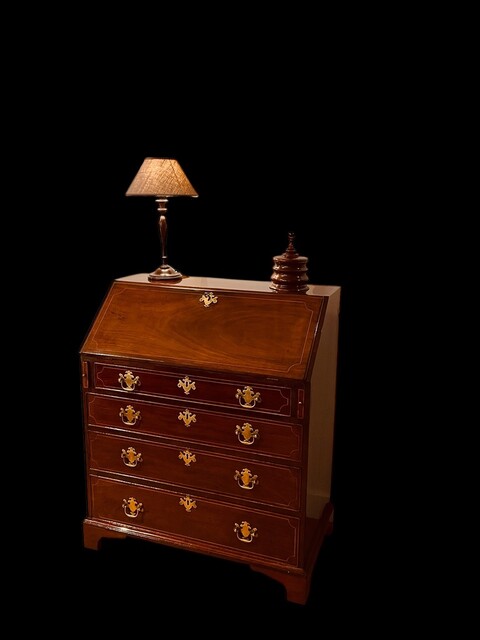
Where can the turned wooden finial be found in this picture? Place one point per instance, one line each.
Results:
(289, 270)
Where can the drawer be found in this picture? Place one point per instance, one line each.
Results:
(250, 533)
(186, 465)
(232, 394)
(197, 425)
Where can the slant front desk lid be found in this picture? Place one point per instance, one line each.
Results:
(211, 323)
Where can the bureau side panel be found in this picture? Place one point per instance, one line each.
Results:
(322, 412)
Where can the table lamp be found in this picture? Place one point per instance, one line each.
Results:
(164, 179)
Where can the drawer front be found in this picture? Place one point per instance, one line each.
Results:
(250, 533)
(190, 467)
(234, 395)
(199, 426)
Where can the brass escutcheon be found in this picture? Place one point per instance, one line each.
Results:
(208, 298)
(187, 417)
(187, 457)
(187, 385)
(188, 503)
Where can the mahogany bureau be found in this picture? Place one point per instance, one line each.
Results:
(209, 409)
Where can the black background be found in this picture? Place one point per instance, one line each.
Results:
(271, 148)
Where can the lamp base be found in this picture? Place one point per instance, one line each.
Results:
(165, 272)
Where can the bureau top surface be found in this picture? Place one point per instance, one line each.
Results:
(201, 282)
(214, 324)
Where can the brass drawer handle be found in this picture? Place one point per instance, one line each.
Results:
(245, 479)
(130, 457)
(247, 398)
(245, 533)
(132, 508)
(246, 434)
(128, 381)
(129, 416)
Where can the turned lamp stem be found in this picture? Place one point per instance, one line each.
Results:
(164, 271)
(162, 223)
